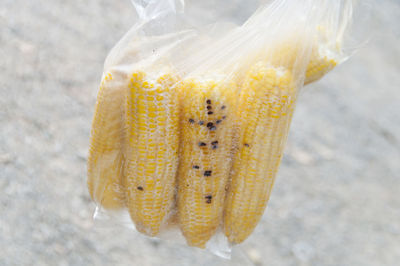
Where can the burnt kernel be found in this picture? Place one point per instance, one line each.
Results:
(224, 117)
(196, 167)
(223, 107)
(218, 121)
(191, 121)
(140, 188)
(187, 185)
(208, 101)
(207, 173)
(208, 198)
(214, 144)
(209, 107)
(202, 144)
(211, 126)
(247, 145)
(210, 112)
(201, 123)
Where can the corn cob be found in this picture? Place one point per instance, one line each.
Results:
(264, 112)
(206, 141)
(106, 161)
(152, 150)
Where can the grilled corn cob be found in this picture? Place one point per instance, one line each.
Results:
(206, 141)
(152, 150)
(106, 161)
(264, 112)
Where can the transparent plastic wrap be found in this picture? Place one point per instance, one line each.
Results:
(193, 114)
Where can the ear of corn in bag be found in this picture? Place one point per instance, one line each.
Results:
(106, 158)
(207, 115)
(152, 149)
(264, 112)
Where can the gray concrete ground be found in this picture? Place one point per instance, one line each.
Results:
(336, 200)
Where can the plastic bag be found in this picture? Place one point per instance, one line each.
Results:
(194, 109)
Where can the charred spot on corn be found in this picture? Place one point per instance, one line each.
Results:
(210, 112)
(196, 167)
(209, 107)
(211, 126)
(208, 198)
(202, 144)
(191, 120)
(214, 144)
(208, 101)
(140, 188)
(247, 145)
(223, 107)
(218, 121)
(207, 173)
(224, 117)
(201, 123)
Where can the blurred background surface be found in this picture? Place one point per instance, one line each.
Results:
(336, 200)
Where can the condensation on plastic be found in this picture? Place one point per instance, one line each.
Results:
(204, 41)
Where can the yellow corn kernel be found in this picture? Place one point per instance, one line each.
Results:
(206, 140)
(106, 160)
(264, 112)
(152, 150)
